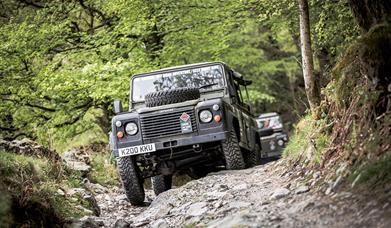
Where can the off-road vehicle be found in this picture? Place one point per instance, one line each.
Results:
(188, 118)
(273, 137)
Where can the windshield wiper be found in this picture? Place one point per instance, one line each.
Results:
(208, 85)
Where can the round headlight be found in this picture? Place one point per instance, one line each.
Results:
(216, 107)
(131, 128)
(206, 116)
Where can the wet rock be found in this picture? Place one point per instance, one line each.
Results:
(302, 189)
(279, 193)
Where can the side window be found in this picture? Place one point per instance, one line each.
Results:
(238, 92)
(235, 88)
(244, 94)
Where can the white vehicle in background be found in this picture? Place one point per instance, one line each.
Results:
(273, 138)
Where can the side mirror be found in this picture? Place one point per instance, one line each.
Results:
(117, 106)
(236, 75)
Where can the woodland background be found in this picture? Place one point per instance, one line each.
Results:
(62, 63)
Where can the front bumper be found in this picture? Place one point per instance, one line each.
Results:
(274, 144)
(179, 141)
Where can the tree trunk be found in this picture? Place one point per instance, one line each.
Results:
(311, 87)
(370, 12)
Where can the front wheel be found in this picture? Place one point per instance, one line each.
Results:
(161, 183)
(131, 180)
(232, 153)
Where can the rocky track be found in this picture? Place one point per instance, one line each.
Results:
(264, 196)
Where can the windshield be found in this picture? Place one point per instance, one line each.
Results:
(208, 78)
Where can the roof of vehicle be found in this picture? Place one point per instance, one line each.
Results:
(181, 67)
(266, 115)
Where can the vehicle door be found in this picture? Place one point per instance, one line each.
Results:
(243, 114)
(247, 117)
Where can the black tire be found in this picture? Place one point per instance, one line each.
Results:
(171, 96)
(161, 183)
(131, 180)
(253, 157)
(232, 153)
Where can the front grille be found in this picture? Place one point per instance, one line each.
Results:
(155, 125)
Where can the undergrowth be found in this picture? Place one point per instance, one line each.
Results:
(355, 123)
(103, 169)
(308, 141)
(31, 196)
(372, 172)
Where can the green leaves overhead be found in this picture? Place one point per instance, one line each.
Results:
(61, 59)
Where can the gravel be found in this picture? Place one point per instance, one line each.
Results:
(256, 197)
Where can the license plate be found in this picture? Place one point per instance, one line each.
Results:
(133, 150)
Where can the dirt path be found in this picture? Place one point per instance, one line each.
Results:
(264, 196)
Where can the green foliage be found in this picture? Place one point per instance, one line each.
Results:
(33, 181)
(354, 130)
(333, 26)
(104, 170)
(298, 142)
(5, 206)
(54, 74)
(60, 61)
(308, 133)
(373, 172)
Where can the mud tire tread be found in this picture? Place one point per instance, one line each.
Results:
(172, 96)
(232, 153)
(131, 180)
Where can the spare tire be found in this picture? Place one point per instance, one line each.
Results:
(171, 96)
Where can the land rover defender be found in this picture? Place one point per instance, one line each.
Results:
(189, 118)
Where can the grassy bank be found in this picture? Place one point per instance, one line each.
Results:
(352, 134)
(32, 192)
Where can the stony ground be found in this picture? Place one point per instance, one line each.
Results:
(264, 196)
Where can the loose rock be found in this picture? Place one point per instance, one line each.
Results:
(279, 193)
(302, 189)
